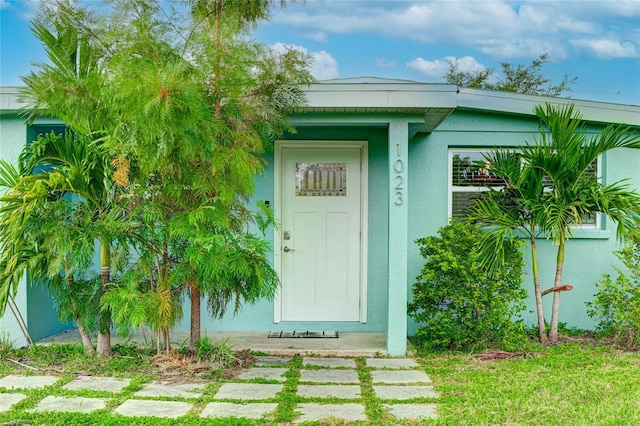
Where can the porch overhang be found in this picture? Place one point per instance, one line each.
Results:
(427, 104)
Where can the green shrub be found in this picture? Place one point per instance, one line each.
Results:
(219, 352)
(617, 304)
(456, 304)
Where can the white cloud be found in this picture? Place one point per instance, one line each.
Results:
(27, 9)
(438, 68)
(431, 69)
(384, 63)
(504, 29)
(323, 65)
(606, 49)
(524, 48)
(320, 36)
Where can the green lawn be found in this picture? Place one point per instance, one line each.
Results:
(569, 384)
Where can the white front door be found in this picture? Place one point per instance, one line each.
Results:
(320, 233)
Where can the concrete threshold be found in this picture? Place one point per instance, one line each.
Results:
(348, 344)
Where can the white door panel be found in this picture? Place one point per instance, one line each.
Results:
(321, 228)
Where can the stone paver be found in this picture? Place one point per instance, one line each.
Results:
(264, 373)
(332, 376)
(228, 409)
(394, 379)
(391, 363)
(70, 404)
(138, 408)
(330, 362)
(247, 391)
(313, 412)
(412, 411)
(329, 391)
(26, 382)
(106, 384)
(7, 400)
(404, 392)
(399, 376)
(184, 390)
(265, 361)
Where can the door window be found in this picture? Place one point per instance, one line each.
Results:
(321, 179)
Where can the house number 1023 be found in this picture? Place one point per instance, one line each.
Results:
(398, 168)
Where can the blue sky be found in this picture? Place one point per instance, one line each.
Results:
(598, 41)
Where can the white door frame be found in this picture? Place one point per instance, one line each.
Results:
(278, 208)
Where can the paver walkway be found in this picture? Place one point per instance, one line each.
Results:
(324, 388)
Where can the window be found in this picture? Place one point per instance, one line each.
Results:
(592, 220)
(321, 179)
(467, 178)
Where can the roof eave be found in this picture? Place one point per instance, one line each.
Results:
(9, 103)
(514, 103)
(432, 101)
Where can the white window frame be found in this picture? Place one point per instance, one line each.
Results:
(481, 150)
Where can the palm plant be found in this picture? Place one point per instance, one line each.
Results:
(549, 189)
(52, 235)
(564, 152)
(507, 211)
(70, 88)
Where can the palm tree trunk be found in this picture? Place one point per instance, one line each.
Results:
(553, 332)
(542, 334)
(85, 338)
(165, 339)
(84, 335)
(195, 314)
(104, 320)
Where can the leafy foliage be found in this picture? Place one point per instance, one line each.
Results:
(509, 211)
(169, 111)
(515, 78)
(550, 188)
(564, 152)
(58, 204)
(617, 303)
(457, 304)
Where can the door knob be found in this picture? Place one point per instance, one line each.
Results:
(287, 249)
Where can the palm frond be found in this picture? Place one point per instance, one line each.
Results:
(9, 175)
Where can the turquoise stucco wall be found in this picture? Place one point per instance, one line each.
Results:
(41, 315)
(588, 255)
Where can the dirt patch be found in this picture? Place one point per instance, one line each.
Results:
(176, 366)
